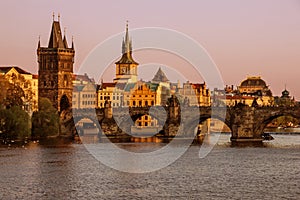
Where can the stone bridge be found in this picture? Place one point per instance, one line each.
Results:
(246, 123)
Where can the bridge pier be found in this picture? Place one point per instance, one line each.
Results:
(244, 126)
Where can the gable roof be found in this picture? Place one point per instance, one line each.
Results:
(18, 69)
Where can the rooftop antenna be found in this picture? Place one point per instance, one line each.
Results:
(53, 16)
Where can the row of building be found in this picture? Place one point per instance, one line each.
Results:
(56, 81)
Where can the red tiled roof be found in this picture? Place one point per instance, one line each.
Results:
(105, 85)
(35, 76)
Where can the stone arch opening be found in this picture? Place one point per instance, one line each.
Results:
(197, 127)
(64, 103)
(281, 122)
(146, 125)
(87, 129)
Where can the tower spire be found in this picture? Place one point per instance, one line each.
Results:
(53, 16)
(127, 40)
(72, 42)
(39, 43)
(65, 38)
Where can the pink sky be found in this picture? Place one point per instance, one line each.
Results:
(250, 37)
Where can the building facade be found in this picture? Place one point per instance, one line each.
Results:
(254, 87)
(195, 93)
(110, 92)
(140, 94)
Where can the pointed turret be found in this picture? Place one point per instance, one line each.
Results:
(65, 39)
(123, 47)
(72, 42)
(56, 40)
(39, 43)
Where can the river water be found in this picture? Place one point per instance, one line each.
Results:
(71, 172)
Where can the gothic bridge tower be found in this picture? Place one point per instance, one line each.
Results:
(126, 67)
(56, 69)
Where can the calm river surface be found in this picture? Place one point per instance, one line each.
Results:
(70, 172)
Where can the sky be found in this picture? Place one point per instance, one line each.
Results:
(243, 38)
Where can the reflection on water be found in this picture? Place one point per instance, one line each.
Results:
(70, 172)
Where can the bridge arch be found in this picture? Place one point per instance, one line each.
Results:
(268, 119)
(193, 124)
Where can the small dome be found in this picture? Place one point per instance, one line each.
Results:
(285, 93)
(253, 81)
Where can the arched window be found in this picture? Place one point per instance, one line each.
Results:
(65, 80)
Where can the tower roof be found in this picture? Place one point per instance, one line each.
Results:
(160, 76)
(56, 40)
(126, 50)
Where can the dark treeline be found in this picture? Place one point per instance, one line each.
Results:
(16, 124)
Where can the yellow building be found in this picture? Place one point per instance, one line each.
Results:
(110, 92)
(140, 94)
(27, 81)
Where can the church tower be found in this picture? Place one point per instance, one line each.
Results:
(126, 67)
(56, 69)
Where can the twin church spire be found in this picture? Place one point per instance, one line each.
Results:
(126, 49)
(127, 43)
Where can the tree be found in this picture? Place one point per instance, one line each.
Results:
(16, 90)
(14, 123)
(45, 121)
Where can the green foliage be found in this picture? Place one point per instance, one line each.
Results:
(45, 122)
(14, 123)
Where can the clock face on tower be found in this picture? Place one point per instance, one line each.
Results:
(123, 70)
